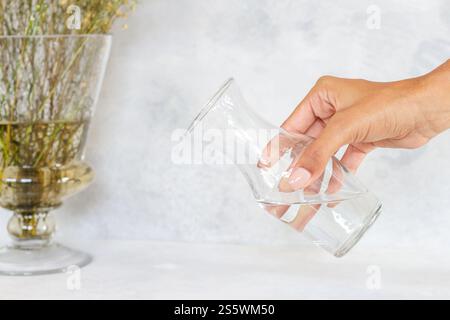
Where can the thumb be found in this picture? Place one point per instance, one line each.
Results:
(314, 158)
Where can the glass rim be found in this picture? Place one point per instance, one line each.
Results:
(204, 111)
(56, 36)
(210, 104)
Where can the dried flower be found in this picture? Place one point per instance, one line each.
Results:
(36, 17)
(41, 78)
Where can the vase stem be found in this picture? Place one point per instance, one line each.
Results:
(31, 229)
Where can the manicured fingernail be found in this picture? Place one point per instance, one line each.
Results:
(299, 178)
(263, 162)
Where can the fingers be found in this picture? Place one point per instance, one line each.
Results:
(316, 104)
(274, 150)
(277, 210)
(355, 154)
(304, 215)
(328, 96)
(310, 165)
(271, 154)
(316, 128)
(336, 179)
(306, 212)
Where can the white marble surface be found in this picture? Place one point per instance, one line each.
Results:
(157, 270)
(175, 53)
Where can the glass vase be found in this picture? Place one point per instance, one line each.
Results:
(334, 211)
(49, 86)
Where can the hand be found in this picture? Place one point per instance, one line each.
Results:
(366, 115)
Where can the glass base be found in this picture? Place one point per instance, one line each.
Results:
(354, 240)
(52, 258)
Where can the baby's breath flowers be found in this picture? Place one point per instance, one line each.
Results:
(38, 17)
(43, 78)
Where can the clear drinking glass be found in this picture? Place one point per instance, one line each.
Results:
(334, 211)
(49, 86)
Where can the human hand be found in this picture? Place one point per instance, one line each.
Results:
(366, 115)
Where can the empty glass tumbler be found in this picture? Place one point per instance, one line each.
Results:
(333, 211)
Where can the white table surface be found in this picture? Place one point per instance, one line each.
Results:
(161, 270)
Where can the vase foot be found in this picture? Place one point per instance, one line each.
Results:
(52, 258)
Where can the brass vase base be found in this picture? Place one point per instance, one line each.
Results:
(31, 193)
(35, 260)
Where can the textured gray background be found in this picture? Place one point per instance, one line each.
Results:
(174, 56)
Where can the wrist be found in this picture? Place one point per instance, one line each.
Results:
(433, 93)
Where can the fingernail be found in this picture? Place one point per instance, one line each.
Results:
(299, 178)
(263, 162)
